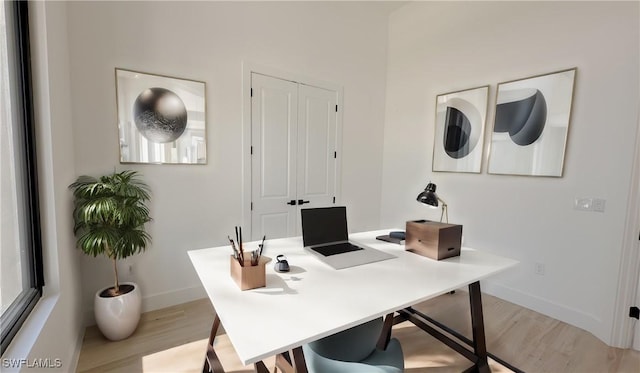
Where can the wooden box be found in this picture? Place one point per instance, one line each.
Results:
(249, 277)
(432, 239)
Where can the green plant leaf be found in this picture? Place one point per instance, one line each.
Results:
(109, 214)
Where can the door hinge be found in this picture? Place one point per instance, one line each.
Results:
(335, 154)
(334, 199)
(251, 206)
(251, 92)
(336, 108)
(252, 150)
(634, 312)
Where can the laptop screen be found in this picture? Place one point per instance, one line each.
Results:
(324, 225)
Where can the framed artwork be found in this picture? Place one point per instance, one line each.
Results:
(161, 119)
(459, 130)
(531, 125)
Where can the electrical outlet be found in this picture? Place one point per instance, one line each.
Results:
(538, 269)
(598, 204)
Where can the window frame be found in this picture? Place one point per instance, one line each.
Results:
(13, 318)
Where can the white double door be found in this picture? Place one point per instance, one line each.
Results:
(294, 137)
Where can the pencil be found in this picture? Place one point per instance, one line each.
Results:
(262, 245)
(240, 243)
(235, 251)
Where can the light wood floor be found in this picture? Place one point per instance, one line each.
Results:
(174, 339)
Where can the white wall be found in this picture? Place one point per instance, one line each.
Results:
(197, 206)
(439, 47)
(54, 329)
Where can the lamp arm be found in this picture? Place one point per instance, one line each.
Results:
(445, 210)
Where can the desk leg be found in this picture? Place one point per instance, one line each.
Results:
(260, 367)
(477, 324)
(385, 336)
(283, 363)
(299, 364)
(211, 361)
(479, 356)
(295, 365)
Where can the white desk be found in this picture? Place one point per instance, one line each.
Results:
(314, 300)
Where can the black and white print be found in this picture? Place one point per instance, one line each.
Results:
(531, 125)
(160, 119)
(459, 130)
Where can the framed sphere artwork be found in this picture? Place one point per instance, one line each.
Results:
(531, 125)
(161, 119)
(459, 130)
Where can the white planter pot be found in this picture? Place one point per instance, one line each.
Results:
(117, 317)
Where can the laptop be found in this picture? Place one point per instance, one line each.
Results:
(324, 234)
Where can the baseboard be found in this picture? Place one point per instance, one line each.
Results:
(75, 354)
(159, 300)
(571, 316)
(172, 298)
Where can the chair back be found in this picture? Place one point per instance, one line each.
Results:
(353, 344)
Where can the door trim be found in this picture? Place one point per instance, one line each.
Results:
(247, 69)
(622, 330)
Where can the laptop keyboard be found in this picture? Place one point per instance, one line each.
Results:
(338, 248)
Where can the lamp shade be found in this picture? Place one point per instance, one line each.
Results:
(429, 196)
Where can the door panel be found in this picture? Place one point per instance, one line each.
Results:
(316, 146)
(276, 224)
(293, 138)
(273, 162)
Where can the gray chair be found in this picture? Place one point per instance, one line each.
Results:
(354, 351)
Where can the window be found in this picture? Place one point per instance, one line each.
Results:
(21, 277)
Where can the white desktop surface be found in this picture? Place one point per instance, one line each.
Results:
(314, 300)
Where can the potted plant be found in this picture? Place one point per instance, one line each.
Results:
(109, 215)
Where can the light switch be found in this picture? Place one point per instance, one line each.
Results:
(583, 204)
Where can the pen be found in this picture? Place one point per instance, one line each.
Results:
(240, 243)
(262, 245)
(236, 255)
(239, 240)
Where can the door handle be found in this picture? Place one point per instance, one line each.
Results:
(301, 202)
(292, 202)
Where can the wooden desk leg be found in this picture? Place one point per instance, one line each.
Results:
(477, 323)
(299, 364)
(283, 363)
(385, 336)
(211, 361)
(295, 365)
(260, 367)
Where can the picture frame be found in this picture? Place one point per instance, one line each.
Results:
(459, 130)
(531, 125)
(161, 119)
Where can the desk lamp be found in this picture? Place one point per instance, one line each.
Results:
(430, 198)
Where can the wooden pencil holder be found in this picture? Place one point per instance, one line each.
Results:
(249, 277)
